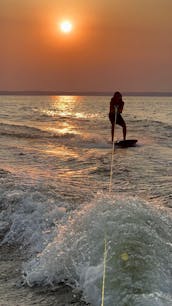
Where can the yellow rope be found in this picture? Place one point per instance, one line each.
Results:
(104, 272)
(111, 168)
(105, 241)
(112, 155)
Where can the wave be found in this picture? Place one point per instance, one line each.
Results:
(28, 215)
(158, 131)
(19, 131)
(4, 173)
(68, 246)
(138, 266)
(72, 139)
(146, 122)
(23, 131)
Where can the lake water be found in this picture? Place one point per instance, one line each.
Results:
(55, 160)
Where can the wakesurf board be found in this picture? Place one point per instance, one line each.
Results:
(126, 143)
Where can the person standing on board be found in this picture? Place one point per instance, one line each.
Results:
(117, 104)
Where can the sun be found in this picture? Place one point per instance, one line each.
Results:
(66, 26)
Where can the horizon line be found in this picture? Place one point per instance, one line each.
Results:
(82, 93)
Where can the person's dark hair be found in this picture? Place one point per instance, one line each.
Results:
(117, 94)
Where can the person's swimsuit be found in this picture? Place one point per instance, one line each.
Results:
(119, 119)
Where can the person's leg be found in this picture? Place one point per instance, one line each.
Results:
(122, 123)
(124, 130)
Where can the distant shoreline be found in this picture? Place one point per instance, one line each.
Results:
(81, 93)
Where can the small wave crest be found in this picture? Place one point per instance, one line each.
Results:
(23, 131)
(19, 131)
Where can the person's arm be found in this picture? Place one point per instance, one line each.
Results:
(112, 106)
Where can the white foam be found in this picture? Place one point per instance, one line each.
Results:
(138, 262)
(30, 219)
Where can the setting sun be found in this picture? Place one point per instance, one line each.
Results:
(66, 26)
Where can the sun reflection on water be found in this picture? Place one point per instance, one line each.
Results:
(65, 128)
(64, 108)
(65, 105)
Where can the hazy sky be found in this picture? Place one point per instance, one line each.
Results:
(115, 44)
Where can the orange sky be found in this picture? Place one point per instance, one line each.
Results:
(115, 44)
